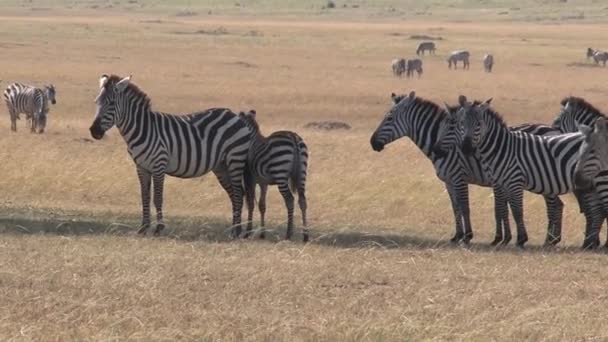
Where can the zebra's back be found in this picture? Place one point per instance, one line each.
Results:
(275, 161)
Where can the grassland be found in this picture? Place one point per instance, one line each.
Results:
(379, 267)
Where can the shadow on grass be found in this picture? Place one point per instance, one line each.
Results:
(189, 229)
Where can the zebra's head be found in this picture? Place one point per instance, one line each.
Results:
(450, 132)
(392, 126)
(590, 52)
(111, 89)
(470, 119)
(593, 154)
(575, 111)
(50, 93)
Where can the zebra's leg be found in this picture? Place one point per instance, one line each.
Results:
(594, 217)
(303, 207)
(499, 202)
(555, 209)
(236, 171)
(459, 234)
(517, 207)
(223, 177)
(159, 182)
(13, 120)
(289, 203)
(249, 181)
(34, 119)
(462, 193)
(262, 208)
(145, 179)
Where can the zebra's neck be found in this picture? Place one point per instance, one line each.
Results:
(497, 135)
(134, 115)
(422, 123)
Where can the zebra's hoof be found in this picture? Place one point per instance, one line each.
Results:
(159, 228)
(456, 238)
(262, 235)
(305, 238)
(496, 241)
(143, 229)
(590, 245)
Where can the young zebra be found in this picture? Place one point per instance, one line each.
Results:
(459, 55)
(425, 46)
(414, 65)
(518, 161)
(597, 55)
(488, 62)
(32, 101)
(184, 146)
(398, 66)
(279, 159)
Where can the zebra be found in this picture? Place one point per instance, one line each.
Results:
(459, 55)
(279, 159)
(518, 161)
(488, 62)
(597, 55)
(33, 101)
(421, 120)
(184, 146)
(399, 66)
(414, 65)
(425, 46)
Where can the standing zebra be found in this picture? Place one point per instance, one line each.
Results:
(421, 120)
(459, 55)
(414, 65)
(597, 55)
(425, 46)
(279, 159)
(518, 161)
(398, 66)
(184, 146)
(488, 62)
(32, 101)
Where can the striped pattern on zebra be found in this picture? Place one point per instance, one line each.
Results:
(33, 101)
(184, 146)
(414, 65)
(488, 62)
(425, 46)
(597, 55)
(279, 159)
(519, 161)
(399, 67)
(459, 55)
(450, 138)
(421, 120)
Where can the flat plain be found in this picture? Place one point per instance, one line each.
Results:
(379, 266)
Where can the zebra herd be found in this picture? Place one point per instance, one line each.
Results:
(471, 144)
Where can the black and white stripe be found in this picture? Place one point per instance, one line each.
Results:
(488, 62)
(34, 102)
(597, 55)
(184, 146)
(279, 159)
(459, 55)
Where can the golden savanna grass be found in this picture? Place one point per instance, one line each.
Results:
(378, 268)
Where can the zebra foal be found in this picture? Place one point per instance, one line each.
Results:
(184, 146)
(34, 102)
(279, 159)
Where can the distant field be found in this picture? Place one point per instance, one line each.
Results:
(378, 268)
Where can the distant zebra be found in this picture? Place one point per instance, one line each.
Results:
(597, 55)
(279, 159)
(183, 146)
(519, 161)
(459, 55)
(398, 66)
(488, 62)
(32, 101)
(425, 46)
(422, 121)
(414, 65)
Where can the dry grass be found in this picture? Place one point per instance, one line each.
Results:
(114, 287)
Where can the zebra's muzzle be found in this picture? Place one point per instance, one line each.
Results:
(96, 132)
(439, 152)
(376, 145)
(467, 146)
(53, 101)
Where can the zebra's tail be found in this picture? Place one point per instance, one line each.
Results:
(296, 167)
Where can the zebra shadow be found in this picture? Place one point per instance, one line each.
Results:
(215, 230)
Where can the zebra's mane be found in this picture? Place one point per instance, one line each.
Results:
(579, 102)
(419, 101)
(495, 116)
(132, 87)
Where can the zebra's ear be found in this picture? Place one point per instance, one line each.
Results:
(600, 125)
(103, 80)
(412, 95)
(122, 84)
(462, 100)
(488, 101)
(252, 112)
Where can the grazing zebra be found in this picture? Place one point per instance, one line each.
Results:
(279, 159)
(488, 62)
(421, 120)
(425, 46)
(414, 65)
(597, 55)
(32, 101)
(518, 161)
(183, 146)
(399, 67)
(460, 55)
